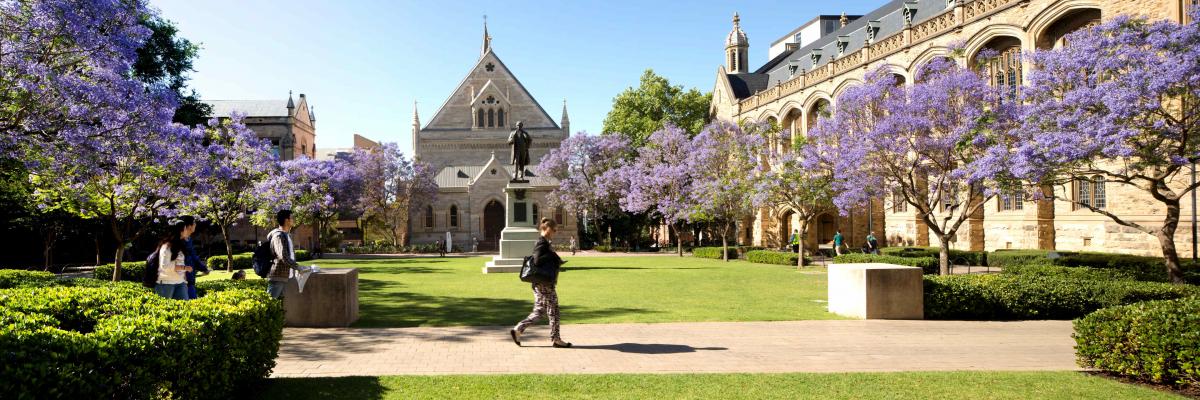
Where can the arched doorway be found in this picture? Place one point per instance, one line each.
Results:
(785, 229)
(493, 223)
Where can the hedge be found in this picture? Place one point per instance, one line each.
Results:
(1010, 297)
(1142, 268)
(1085, 273)
(221, 285)
(961, 257)
(240, 261)
(773, 257)
(927, 265)
(1156, 341)
(122, 341)
(130, 271)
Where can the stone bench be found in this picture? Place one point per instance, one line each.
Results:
(876, 291)
(330, 299)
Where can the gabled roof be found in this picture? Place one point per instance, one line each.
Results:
(746, 85)
(465, 175)
(499, 69)
(252, 108)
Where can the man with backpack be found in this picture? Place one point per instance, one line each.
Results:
(283, 255)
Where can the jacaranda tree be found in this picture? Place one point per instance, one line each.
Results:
(588, 169)
(723, 161)
(786, 182)
(660, 179)
(933, 143)
(393, 188)
(1119, 104)
(236, 161)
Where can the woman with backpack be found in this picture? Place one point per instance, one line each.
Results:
(172, 264)
(545, 298)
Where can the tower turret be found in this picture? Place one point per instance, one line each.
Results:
(737, 48)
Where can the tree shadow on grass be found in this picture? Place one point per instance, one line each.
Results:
(352, 387)
(655, 348)
(403, 270)
(389, 261)
(569, 268)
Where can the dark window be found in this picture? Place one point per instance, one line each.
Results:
(898, 203)
(428, 216)
(558, 215)
(479, 118)
(535, 215)
(454, 216)
(1005, 70)
(1011, 201)
(500, 117)
(491, 118)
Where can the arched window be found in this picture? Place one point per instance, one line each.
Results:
(500, 117)
(454, 216)
(479, 118)
(1004, 69)
(536, 220)
(428, 216)
(491, 118)
(558, 215)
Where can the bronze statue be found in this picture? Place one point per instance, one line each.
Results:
(520, 142)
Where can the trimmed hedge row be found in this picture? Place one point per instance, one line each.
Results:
(772, 257)
(1142, 268)
(206, 287)
(240, 261)
(714, 252)
(926, 264)
(1084, 273)
(1009, 297)
(1156, 341)
(956, 256)
(130, 271)
(122, 341)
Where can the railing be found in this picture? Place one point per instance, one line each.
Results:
(928, 29)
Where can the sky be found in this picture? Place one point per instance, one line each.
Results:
(362, 64)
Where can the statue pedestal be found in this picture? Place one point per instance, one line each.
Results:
(520, 230)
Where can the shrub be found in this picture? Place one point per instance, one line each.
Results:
(1142, 268)
(13, 278)
(301, 255)
(1006, 297)
(773, 257)
(927, 265)
(1156, 341)
(130, 271)
(960, 257)
(121, 341)
(240, 261)
(1085, 273)
(603, 248)
(714, 252)
(206, 287)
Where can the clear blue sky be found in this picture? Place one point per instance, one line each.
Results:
(363, 63)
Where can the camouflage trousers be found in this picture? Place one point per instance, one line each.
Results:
(545, 304)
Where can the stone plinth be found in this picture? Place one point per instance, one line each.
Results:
(520, 230)
(876, 291)
(330, 299)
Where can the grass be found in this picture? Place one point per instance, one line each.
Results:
(903, 385)
(452, 291)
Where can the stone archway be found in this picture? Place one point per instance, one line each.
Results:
(493, 224)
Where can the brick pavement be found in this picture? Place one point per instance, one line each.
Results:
(794, 346)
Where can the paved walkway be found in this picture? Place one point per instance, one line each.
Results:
(799, 346)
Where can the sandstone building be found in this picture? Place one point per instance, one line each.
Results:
(803, 79)
(466, 142)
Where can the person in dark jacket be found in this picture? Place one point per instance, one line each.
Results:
(545, 298)
(199, 267)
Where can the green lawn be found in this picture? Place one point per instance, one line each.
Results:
(906, 385)
(405, 292)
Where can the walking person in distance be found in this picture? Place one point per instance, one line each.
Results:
(285, 258)
(545, 298)
(172, 266)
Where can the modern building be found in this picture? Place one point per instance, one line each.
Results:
(801, 83)
(466, 142)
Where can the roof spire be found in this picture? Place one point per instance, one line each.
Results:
(737, 21)
(416, 118)
(844, 20)
(565, 122)
(487, 39)
(291, 105)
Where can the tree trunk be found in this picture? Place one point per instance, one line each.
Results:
(802, 249)
(678, 240)
(1166, 238)
(96, 239)
(116, 277)
(48, 239)
(228, 248)
(725, 243)
(944, 256)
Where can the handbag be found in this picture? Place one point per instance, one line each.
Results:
(531, 273)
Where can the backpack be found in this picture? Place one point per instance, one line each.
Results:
(150, 273)
(264, 257)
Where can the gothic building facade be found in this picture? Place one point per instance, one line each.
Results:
(466, 142)
(803, 81)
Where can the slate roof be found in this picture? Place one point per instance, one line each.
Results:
(460, 176)
(746, 85)
(252, 108)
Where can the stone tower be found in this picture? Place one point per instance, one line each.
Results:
(737, 49)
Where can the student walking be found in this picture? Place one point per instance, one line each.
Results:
(837, 242)
(545, 298)
(795, 241)
(574, 246)
(285, 258)
(199, 267)
(172, 282)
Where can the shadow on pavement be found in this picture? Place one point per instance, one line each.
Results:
(639, 348)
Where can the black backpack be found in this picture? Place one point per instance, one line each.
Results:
(150, 273)
(531, 273)
(264, 257)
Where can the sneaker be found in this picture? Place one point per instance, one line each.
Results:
(560, 344)
(516, 336)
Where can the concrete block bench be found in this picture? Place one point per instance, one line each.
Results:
(876, 291)
(330, 299)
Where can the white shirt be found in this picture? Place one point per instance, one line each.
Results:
(167, 274)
